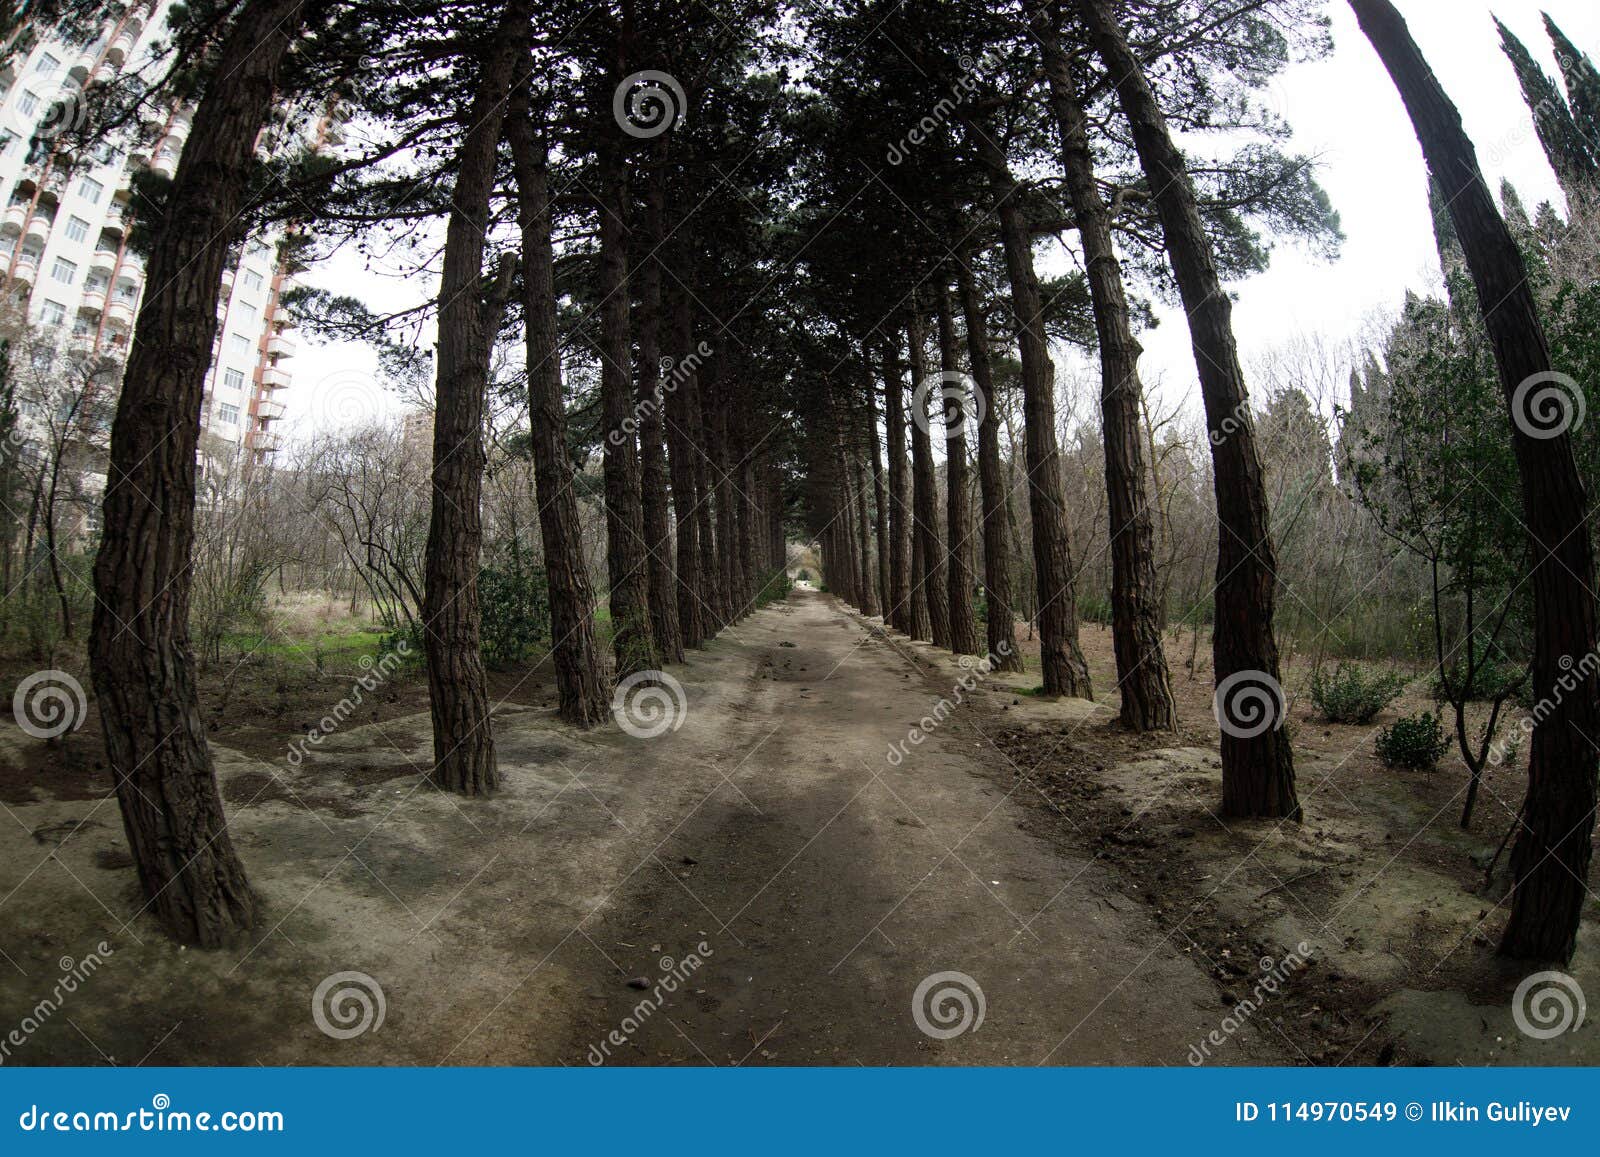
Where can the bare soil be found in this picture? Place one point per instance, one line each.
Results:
(771, 881)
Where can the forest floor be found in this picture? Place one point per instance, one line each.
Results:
(772, 881)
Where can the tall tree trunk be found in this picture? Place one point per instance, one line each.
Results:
(1257, 760)
(633, 641)
(1550, 860)
(879, 501)
(930, 577)
(715, 604)
(999, 621)
(898, 612)
(458, 689)
(140, 656)
(681, 462)
(955, 407)
(1061, 660)
(1142, 676)
(579, 669)
(661, 575)
(865, 442)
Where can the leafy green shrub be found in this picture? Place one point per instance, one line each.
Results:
(1417, 741)
(1353, 693)
(516, 613)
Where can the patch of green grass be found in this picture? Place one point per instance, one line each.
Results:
(335, 644)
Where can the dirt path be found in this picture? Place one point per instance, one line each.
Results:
(784, 883)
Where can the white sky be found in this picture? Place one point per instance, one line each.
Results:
(1344, 110)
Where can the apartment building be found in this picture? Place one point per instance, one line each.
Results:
(64, 258)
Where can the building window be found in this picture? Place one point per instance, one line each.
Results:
(27, 103)
(53, 313)
(252, 280)
(248, 312)
(233, 379)
(228, 414)
(96, 284)
(47, 64)
(90, 189)
(77, 228)
(64, 271)
(241, 344)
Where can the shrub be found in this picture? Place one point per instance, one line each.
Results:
(1417, 741)
(1353, 693)
(516, 613)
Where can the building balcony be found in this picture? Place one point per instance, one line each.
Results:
(103, 261)
(280, 346)
(117, 53)
(120, 314)
(26, 270)
(37, 229)
(227, 282)
(269, 410)
(164, 163)
(105, 73)
(267, 443)
(274, 378)
(94, 301)
(11, 221)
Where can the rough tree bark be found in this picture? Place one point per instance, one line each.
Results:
(1142, 676)
(458, 689)
(662, 579)
(680, 457)
(855, 415)
(929, 576)
(140, 656)
(1550, 860)
(1000, 621)
(633, 642)
(579, 668)
(899, 608)
(1257, 762)
(1064, 670)
(879, 501)
(958, 486)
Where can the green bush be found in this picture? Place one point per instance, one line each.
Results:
(1353, 693)
(1490, 681)
(1417, 741)
(516, 613)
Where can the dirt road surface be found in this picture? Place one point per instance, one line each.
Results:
(760, 883)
